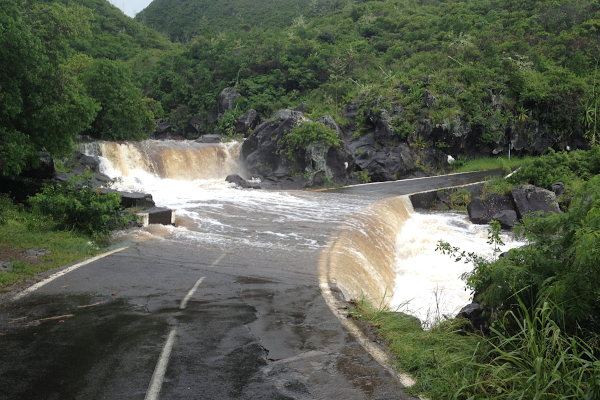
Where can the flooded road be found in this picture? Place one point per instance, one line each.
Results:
(229, 304)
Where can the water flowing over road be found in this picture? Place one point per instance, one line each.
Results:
(239, 300)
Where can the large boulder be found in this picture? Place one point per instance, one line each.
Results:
(507, 218)
(163, 129)
(530, 199)
(558, 188)
(481, 211)
(80, 163)
(397, 162)
(263, 153)
(474, 313)
(226, 99)
(247, 122)
(214, 138)
(241, 182)
(195, 125)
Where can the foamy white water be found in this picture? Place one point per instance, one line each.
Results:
(428, 283)
(190, 178)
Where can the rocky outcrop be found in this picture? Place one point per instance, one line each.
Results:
(226, 100)
(507, 218)
(529, 199)
(507, 210)
(214, 138)
(241, 182)
(481, 211)
(80, 163)
(263, 153)
(247, 122)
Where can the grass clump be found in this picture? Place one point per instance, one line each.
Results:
(21, 230)
(463, 164)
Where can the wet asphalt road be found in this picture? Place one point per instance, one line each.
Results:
(257, 327)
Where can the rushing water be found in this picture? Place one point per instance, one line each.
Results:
(380, 250)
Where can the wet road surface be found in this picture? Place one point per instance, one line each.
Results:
(255, 327)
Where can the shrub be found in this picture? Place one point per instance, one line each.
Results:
(559, 167)
(76, 205)
(363, 176)
(296, 141)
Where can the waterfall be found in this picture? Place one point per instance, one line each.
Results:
(175, 160)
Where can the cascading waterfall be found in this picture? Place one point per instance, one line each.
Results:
(175, 160)
(384, 250)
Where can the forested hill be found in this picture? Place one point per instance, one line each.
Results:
(492, 69)
(461, 75)
(113, 34)
(180, 20)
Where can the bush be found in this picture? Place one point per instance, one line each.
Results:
(559, 167)
(76, 205)
(560, 264)
(296, 141)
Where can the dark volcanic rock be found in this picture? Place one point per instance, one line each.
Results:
(214, 138)
(558, 188)
(474, 313)
(241, 182)
(530, 199)
(79, 163)
(301, 107)
(195, 124)
(507, 218)
(429, 99)
(482, 211)
(264, 154)
(227, 99)
(247, 122)
(163, 129)
(399, 162)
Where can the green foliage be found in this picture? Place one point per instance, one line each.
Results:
(44, 104)
(125, 114)
(21, 229)
(296, 141)
(559, 167)
(76, 205)
(363, 176)
(227, 124)
(535, 360)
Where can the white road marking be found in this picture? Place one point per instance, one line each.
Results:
(190, 294)
(63, 272)
(334, 305)
(161, 368)
(222, 256)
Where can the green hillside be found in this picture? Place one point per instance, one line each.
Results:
(113, 34)
(180, 20)
(489, 64)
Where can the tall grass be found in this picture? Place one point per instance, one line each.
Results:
(527, 356)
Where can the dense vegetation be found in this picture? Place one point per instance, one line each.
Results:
(538, 57)
(51, 87)
(541, 300)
